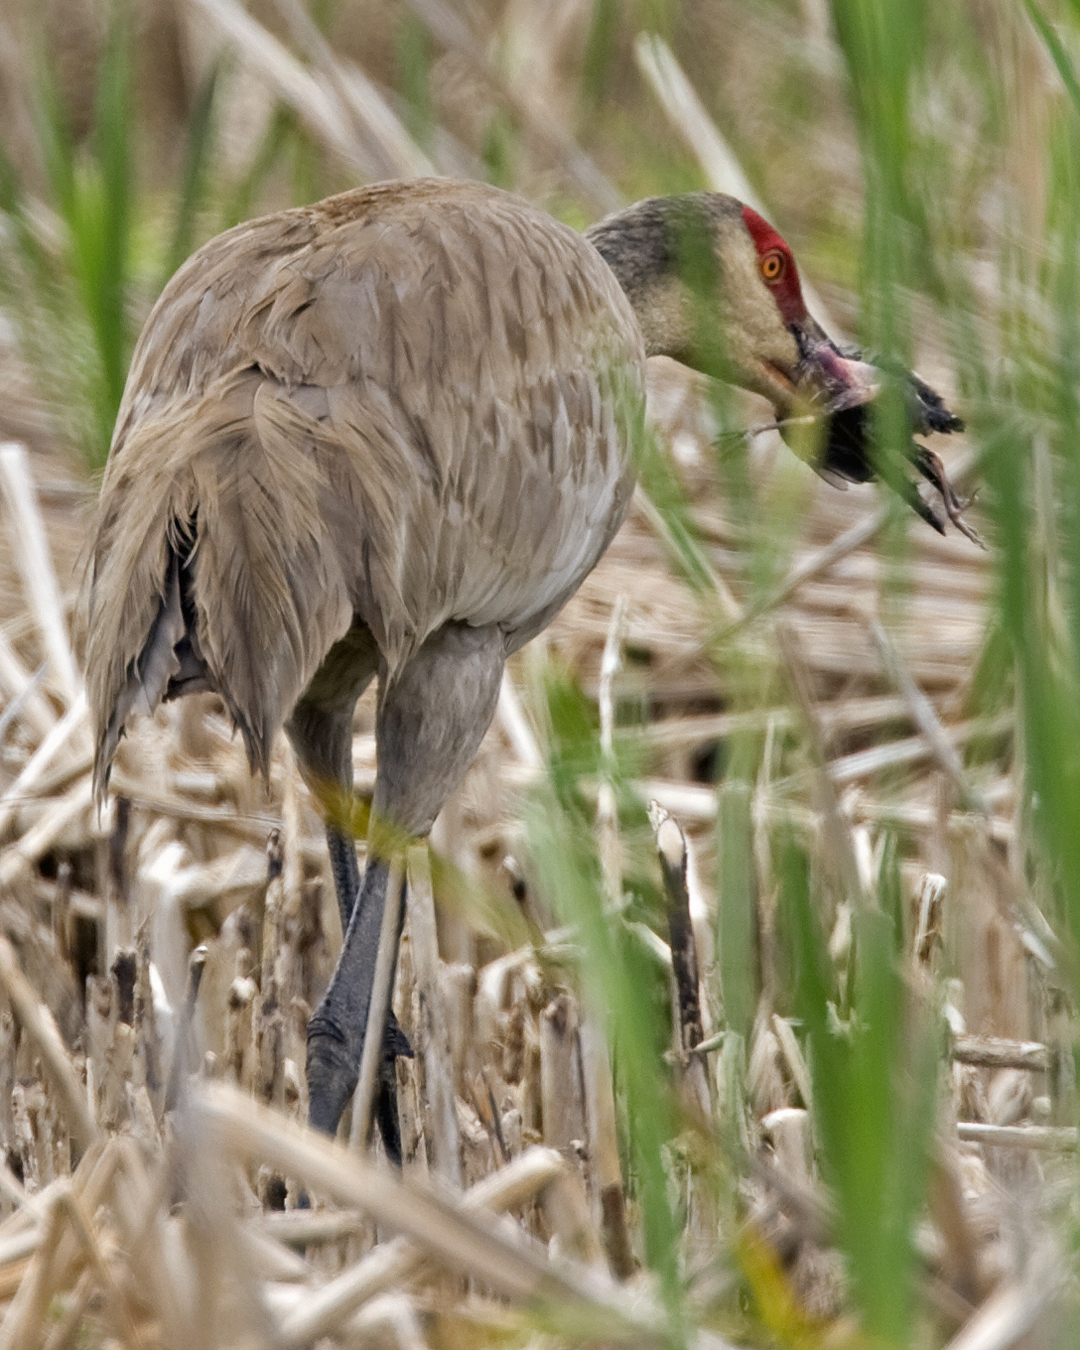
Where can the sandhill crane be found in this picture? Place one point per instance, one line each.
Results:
(389, 435)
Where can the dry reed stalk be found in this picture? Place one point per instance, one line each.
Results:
(116, 1308)
(296, 87)
(995, 1052)
(561, 1104)
(34, 770)
(180, 1066)
(840, 848)
(926, 719)
(39, 1025)
(17, 859)
(271, 918)
(850, 714)
(686, 1001)
(309, 1227)
(788, 1129)
(804, 1201)
(536, 42)
(381, 993)
(512, 720)
(155, 1038)
(793, 1057)
(21, 1325)
(390, 1316)
(1005, 1319)
(692, 1071)
(864, 763)
(1045, 1138)
(359, 102)
(61, 1252)
(230, 1301)
(15, 1254)
(607, 819)
(440, 1115)
(292, 967)
(452, 29)
(29, 1211)
(575, 1235)
(459, 1240)
(160, 1266)
(605, 1171)
(605, 1168)
(271, 1261)
(267, 1019)
(67, 1330)
(482, 1099)
(147, 794)
(239, 1030)
(118, 929)
(114, 1107)
(35, 562)
(395, 1262)
(180, 884)
(21, 690)
(953, 1222)
(458, 980)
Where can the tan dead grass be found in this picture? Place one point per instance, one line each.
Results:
(158, 965)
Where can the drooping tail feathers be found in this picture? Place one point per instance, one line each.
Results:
(211, 565)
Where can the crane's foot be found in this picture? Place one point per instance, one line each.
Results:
(339, 1024)
(333, 1065)
(933, 470)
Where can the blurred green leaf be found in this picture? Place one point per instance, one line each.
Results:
(413, 58)
(617, 972)
(874, 1096)
(194, 183)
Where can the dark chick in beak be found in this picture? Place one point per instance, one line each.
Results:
(842, 389)
(836, 387)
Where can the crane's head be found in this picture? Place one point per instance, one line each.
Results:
(715, 286)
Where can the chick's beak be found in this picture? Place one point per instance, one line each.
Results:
(826, 379)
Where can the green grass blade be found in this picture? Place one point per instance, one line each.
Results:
(194, 182)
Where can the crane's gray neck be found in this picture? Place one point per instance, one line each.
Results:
(638, 245)
(661, 250)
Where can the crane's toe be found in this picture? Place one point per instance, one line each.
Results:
(395, 1043)
(333, 1066)
(332, 1069)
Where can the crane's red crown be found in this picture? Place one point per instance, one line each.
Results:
(778, 269)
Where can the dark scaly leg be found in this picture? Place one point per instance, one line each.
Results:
(347, 882)
(345, 869)
(336, 1030)
(320, 729)
(431, 721)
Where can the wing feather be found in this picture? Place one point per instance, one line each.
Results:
(229, 489)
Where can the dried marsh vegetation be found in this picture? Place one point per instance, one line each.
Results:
(739, 975)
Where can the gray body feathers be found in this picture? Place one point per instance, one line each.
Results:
(403, 407)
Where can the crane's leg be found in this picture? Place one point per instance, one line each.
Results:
(431, 721)
(320, 729)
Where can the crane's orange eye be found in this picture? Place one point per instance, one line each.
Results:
(773, 265)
